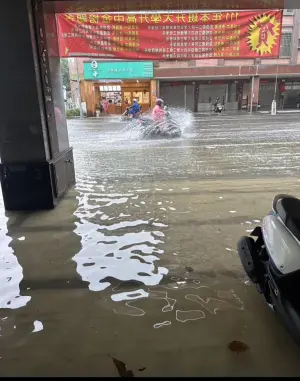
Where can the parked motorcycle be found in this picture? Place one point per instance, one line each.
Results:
(167, 128)
(218, 108)
(272, 261)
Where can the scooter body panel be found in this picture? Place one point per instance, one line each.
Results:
(282, 246)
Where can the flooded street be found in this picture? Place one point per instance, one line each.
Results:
(139, 263)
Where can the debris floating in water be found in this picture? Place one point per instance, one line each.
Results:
(122, 369)
(238, 346)
(232, 211)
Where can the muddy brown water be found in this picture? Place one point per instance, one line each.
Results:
(138, 263)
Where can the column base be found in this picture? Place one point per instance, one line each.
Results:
(36, 185)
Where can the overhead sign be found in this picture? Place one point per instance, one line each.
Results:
(117, 70)
(174, 36)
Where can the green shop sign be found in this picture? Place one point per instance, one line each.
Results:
(117, 70)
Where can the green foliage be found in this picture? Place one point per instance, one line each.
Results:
(73, 113)
(65, 73)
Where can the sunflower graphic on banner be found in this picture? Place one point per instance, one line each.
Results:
(264, 34)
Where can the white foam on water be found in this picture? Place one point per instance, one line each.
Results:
(183, 117)
(38, 326)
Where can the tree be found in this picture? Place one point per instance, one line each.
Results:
(65, 73)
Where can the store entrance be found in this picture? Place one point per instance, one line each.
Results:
(117, 94)
(139, 91)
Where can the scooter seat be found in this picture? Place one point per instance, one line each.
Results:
(288, 209)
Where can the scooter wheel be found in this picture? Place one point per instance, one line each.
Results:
(249, 257)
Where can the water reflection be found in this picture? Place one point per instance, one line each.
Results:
(11, 273)
(123, 255)
(125, 247)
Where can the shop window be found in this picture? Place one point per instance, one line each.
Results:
(110, 88)
(192, 63)
(288, 12)
(286, 44)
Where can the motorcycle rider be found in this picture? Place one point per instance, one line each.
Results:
(158, 113)
(216, 103)
(134, 110)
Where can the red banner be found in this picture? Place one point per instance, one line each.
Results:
(69, 6)
(174, 36)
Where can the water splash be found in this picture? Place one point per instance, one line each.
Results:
(183, 117)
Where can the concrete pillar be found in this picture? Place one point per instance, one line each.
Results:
(36, 160)
(154, 89)
(253, 94)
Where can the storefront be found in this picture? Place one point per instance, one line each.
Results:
(267, 91)
(178, 94)
(289, 93)
(286, 91)
(229, 93)
(118, 82)
(200, 95)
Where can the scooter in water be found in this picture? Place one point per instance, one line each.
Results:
(218, 108)
(127, 116)
(167, 128)
(272, 261)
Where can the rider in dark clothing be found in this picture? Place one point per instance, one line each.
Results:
(216, 102)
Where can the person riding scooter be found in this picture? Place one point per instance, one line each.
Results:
(134, 110)
(158, 113)
(217, 105)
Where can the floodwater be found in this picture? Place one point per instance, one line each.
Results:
(138, 263)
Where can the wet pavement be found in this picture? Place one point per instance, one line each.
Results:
(139, 263)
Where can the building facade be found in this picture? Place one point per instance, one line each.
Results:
(240, 84)
(119, 82)
(196, 84)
